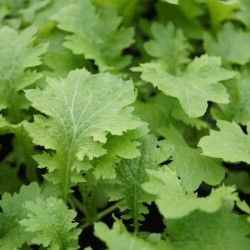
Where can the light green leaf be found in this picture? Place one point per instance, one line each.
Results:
(132, 173)
(197, 85)
(169, 46)
(220, 11)
(51, 222)
(119, 238)
(217, 231)
(18, 55)
(171, 1)
(239, 107)
(190, 165)
(231, 44)
(96, 35)
(172, 200)
(82, 109)
(12, 234)
(229, 144)
(117, 147)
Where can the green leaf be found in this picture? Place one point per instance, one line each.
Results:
(81, 110)
(96, 35)
(220, 230)
(229, 144)
(238, 109)
(172, 200)
(132, 173)
(220, 11)
(192, 167)
(119, 238)
(184, 16)
(197, 85)
(169, 46)
(171, 1)
(51, 222)
(12, 234)
(118, 147)
(234, 50)
(18, 56)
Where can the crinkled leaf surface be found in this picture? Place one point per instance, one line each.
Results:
(217, 231)
(13, 211)
(82, 109)
(169, 46)
(18, 55)
(197, 85)
(229, 144)
(51, 222)
(96, 35)
(190, 165)
(172, 200)
(117, 147)
(231, 45)
(239, 107)
(132, 173)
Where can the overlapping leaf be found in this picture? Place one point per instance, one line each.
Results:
(218, 231)
(82, 109)
(169, 46)
(173, 201)
(18, 56)
(96, 35)
(238, 109)
(132, 173)
(231, 45)
(230, 143)
(190, 165)
(50, 221)
(197, 85)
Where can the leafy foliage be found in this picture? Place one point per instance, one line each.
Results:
(124, 124)
(96, 35)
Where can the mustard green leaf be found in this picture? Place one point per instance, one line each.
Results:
(197, 85)
(81, 110)
(96, 35)
(220, 230)
(229, 144)
(18, 55)
(119, 238)
(169, 46)
(12, 233)
(221, 11)
(172, 200)
(238, 109)
(51, 223)
(231, 44)
(132, 173)
(190, 165)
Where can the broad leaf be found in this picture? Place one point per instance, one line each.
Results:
(197, 85)
(18, 55)
(50, 221)
(229, 144)
(236, 48)
(81, 110)
(190, 165)
(173, 201)
(218, 231)
(132, 173)
(169, 46)
(96, 35)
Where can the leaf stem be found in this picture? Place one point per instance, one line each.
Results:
(99, 216)
(78, 204)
